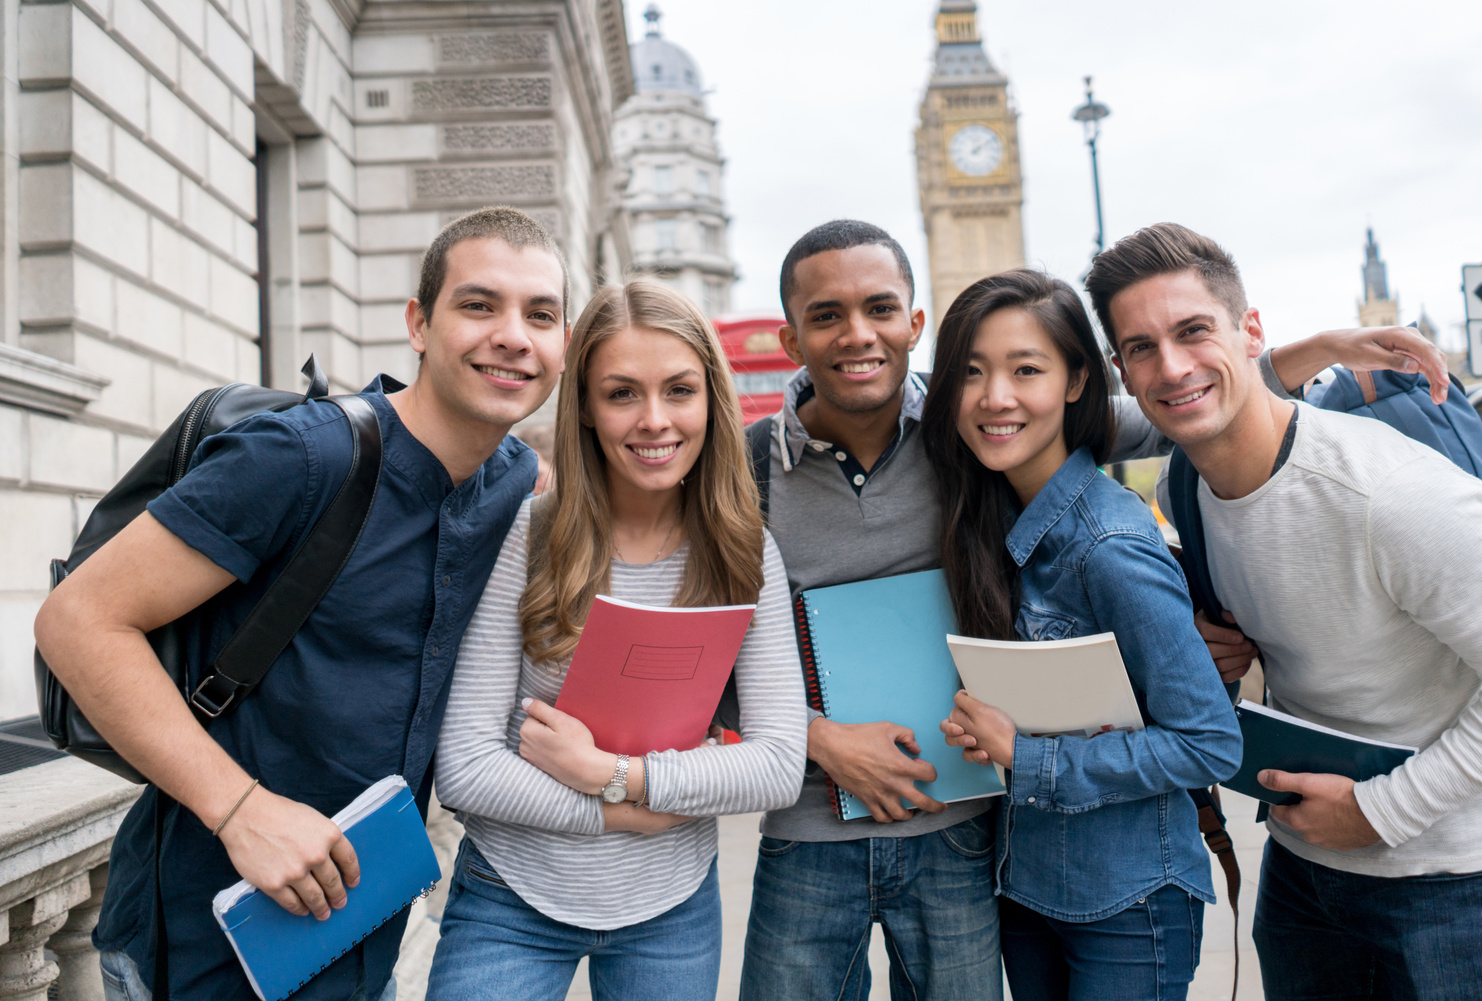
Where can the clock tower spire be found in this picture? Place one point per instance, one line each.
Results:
(967, 162)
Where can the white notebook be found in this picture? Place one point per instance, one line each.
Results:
(1052, 688)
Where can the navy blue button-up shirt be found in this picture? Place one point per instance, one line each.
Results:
(360, 692)
(1089, 826)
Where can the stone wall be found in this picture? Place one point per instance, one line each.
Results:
(160, 156)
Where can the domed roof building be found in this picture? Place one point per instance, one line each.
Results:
(665, 141)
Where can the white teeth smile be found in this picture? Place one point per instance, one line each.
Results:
(662, 452)
(858, 367)
(1186, 399)
(502, 373)
(999, 432)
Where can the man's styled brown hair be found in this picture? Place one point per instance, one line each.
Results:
(495, 222)
(1165, 248)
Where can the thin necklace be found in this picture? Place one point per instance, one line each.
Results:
(662, 546)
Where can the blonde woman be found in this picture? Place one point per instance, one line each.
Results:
(653, 503)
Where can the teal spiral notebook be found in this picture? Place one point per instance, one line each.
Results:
(877, 650)
(279, 951)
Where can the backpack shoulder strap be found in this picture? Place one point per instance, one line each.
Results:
(293, 596)
(1212, 826)
(759, 438)
(1183, 498)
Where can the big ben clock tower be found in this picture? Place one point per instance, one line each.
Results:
(967, 162)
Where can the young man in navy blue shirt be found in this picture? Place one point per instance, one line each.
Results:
(359, 694)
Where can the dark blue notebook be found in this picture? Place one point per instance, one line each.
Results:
(281, 952)
(1276, 740)
(877, 650)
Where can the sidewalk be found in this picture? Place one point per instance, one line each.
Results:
(738, 839)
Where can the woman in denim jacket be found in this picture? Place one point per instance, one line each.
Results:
(1101, 871)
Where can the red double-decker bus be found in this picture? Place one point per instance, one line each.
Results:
(760, 366)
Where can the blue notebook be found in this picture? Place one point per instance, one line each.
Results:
(877, 650)
(281, 952)
(1276, 740)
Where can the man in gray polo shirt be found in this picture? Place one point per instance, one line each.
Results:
(851, 497)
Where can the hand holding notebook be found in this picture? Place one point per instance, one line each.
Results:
(280, 951)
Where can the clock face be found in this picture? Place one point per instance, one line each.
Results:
(976, 150)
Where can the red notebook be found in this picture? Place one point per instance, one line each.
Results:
(649, 679)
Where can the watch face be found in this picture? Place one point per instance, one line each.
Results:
(614, 793)
(976, 150)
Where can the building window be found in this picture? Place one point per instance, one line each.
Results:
(702, 183)
(666, 235)
(714, 299)
(663, 180)
(710, 238)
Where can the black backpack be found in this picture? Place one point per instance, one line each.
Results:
(283, 608)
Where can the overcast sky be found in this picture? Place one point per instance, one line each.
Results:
(1281, 129)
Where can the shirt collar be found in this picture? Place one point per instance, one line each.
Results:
(401, 448)
(1051, 503)
(795, 438)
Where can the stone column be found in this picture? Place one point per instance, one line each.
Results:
(25, 972)
(80, 979)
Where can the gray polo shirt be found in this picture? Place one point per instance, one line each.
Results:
(832, 530)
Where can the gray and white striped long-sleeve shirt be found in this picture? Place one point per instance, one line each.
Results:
(547, 840)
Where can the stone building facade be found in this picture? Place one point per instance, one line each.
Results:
(967, 161)
(673, 174)
(194, 192)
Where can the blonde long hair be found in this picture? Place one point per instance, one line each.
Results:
(571, 540)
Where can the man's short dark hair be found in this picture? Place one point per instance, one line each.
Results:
(840, 234)
(499, 222)
(1165, 248)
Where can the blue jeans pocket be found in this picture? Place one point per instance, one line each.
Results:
(483, 872)
(971, 839)
(775, 847)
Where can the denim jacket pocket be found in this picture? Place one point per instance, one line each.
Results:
(1035, 623)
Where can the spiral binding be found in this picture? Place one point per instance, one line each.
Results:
(427, 892)
(817, 695)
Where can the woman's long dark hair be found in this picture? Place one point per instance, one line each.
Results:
(978, 504)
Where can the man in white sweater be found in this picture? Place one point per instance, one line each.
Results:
(1348, 553)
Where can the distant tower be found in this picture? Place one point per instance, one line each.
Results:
(1377, 309)
(967, 161)
(666, 143)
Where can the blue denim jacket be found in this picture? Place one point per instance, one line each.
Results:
(1090, 826)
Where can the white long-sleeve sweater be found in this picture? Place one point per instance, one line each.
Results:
(545, 839)
(1358, 570)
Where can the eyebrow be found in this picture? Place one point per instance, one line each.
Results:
(485, 292)
(628, 379)
(869, 301)
(1205, 318)
(1028, 353)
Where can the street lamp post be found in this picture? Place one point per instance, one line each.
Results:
(1090, 115)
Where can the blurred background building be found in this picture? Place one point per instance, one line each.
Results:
(967, 162)
(673, 173)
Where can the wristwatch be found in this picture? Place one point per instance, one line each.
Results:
(617, 790)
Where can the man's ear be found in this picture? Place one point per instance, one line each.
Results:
(416, 326)
(1122, 372)
(791, 345)
(918, 324)
(1255, 334)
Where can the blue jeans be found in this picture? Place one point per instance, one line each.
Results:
(494, 946)
(1145, 952)
(813, 903)
(122, 982)
(1325, 933)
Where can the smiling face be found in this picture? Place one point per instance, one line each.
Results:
(1184, 358)
(646, 400)
(495, 345)
(1011, 413)
(854, 327)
